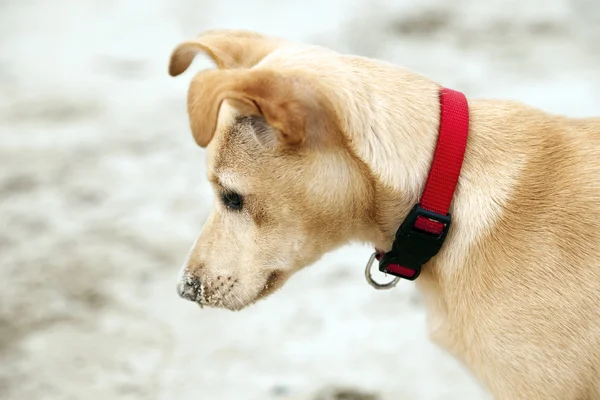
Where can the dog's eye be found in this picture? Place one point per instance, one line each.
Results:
(232, 200)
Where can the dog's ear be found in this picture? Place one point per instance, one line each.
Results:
(289, 103)
(227, 48)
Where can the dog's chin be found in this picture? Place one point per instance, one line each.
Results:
(233, 307)
(230, 306)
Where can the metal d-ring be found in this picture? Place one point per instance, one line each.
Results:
(371, 281)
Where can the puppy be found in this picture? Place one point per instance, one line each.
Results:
(309, 149)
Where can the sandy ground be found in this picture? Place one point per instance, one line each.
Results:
(102, 192)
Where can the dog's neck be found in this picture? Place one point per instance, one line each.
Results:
(394, 134)
(394, 129)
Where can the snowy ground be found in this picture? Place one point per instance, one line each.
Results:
(102, 191)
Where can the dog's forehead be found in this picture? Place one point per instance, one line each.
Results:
(234, 153)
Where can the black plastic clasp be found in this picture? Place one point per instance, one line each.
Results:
(414, 247)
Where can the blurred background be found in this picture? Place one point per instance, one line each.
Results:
(103, 191)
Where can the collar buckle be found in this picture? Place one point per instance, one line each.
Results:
(419, 238)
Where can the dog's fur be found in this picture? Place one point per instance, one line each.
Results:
(329, 148)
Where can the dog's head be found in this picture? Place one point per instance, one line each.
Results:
(288, 187)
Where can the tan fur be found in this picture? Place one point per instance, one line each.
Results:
(287, 103)
(515, 291)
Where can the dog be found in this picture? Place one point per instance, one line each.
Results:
(309, 149)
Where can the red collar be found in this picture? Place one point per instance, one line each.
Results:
(424, 230)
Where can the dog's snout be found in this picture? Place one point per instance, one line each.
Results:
(190, 288)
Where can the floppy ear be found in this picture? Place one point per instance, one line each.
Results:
(288, 103)
(227, 48)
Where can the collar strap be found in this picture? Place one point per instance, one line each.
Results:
(422, 234)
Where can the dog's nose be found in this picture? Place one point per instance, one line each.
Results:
(189, 288)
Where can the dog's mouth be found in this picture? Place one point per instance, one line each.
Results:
(221, 293)
(274, 282)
